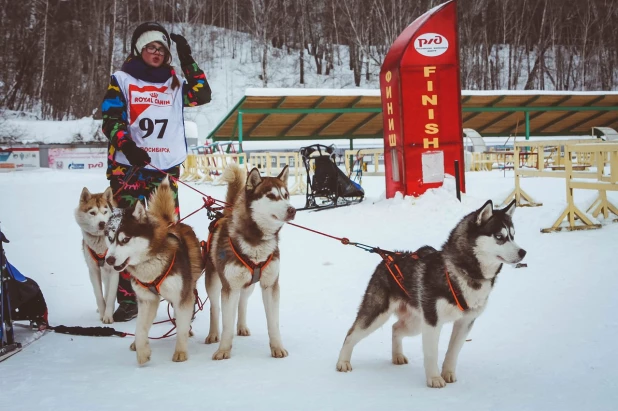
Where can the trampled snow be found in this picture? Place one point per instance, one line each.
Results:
(546, 341)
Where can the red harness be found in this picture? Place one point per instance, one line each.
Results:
(155, 286)
(463, 306)
(255, 269)
(398, 277)
(98, 258)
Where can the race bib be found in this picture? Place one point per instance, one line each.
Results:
(155, 120)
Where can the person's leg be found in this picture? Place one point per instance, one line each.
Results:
(175, 172)
(126, 194)
(154, 177)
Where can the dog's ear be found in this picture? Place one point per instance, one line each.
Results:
(108, 196)
(285, 173)
(140, 211)
(166, 181)
(85, 196)
(484, 213)
(510, 209)
(253, 179)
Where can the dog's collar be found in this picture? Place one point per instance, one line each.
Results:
(155, 286)
(255, 269)
(460, 301)
(98, 258)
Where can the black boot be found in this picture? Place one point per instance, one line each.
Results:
(127, 306)
(125, 312)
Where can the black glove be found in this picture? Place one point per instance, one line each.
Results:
(136, 156)
(183, 49)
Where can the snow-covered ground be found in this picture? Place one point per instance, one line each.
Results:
(546, 341)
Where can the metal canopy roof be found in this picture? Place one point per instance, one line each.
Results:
(306, 114)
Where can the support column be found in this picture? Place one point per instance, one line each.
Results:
(240, 135)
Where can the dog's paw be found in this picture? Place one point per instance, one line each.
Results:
(449, 376)
(221, 355)
(436, 382)
(108, 319)
(278, 352)
(344, 366)
(244, 331)
(132, 347)
(180, 356)
(399, 359)
(143, 355)
(211, 339)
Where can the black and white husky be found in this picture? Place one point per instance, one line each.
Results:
(430, 288)
(244, 249)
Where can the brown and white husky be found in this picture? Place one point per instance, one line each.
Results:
(91, 215)
(164, 260)
(243, 250)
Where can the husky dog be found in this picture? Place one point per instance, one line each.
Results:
(432, 288)
(164, 260)
(244, 249)
(91, 215)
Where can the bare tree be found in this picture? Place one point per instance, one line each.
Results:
(112, 37)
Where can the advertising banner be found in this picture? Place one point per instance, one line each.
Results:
(77, 158)
(19, 158)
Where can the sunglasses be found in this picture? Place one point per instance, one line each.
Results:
(155, 50)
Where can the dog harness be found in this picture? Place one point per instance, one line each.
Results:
(98, 258)
(390, 263)
(211, 231)
(398, 277)
(461, 302)
(255, 269)
(155, 286)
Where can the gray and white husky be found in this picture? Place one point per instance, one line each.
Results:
(91, 215)
(438, 287)
(244, 249)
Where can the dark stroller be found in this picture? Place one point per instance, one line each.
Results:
(329, 187)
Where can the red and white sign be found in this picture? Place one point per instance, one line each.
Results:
(77, 158)
(421, 104)
(19, 158)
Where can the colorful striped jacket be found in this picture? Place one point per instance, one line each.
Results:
(196, 91)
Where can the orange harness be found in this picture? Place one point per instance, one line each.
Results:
(463, 306)
(390, 262)
(155, 286)
(255, 269)
(398, 277)
(98, 258)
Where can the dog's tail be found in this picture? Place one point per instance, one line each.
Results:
(235, 177)
(162, 203)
